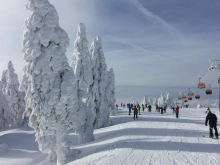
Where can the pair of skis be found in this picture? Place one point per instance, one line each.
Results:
(210, 137)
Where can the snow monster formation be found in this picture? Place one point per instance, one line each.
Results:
(13, 95)
(100, 109)
(110, 91)
(6, 119)
(82, 67)
(48, 80)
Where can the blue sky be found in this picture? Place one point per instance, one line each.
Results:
(152, 43)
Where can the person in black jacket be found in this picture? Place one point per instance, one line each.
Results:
(212, 119)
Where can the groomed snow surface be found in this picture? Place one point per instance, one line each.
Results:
(157, 139)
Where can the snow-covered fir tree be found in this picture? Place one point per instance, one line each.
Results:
(111, 92)
(150, 102)
(144, 100)
(6, 119)
(155, 102)
(99, 85)
(4, 81)
(169, 100)
(48, 80)
(13, 95)
(161, 100)
(81, 63)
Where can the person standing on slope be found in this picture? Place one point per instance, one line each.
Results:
(129, 108)
(149, 108)
(177, 112)
(212, 119)
(139, 109)
(135, 112)
(142, 107)
(161, 110)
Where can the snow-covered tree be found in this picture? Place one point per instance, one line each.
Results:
(48, 80)
(155, 102)
(13, 95)
(80, 61)
(161, 100)
(111, 92)
(99, 85)
(144, 100)
(6, 118)
(169, 100)
(135, 102)
(150, 102)
(4, 81)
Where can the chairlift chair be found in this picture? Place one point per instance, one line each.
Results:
(201, 85)
(189, 98)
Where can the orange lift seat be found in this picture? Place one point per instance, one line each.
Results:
(197, 96)
(189, 98)
(208, 91)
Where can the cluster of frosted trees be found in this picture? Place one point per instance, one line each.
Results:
(163, 99)
(11, 100)
(55, 96)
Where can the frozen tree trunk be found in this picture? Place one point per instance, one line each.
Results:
(48, 80)
(99, 87)
(82, 67)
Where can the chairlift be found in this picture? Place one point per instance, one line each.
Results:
(197, 96)
(179, 98)
(189, 98)
(183, 97)
(208, 91)
(185, 101)
(201, 85)
(190, 93)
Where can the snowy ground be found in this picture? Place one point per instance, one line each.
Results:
(152, 139)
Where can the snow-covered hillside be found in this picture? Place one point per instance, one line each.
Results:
(157, 139)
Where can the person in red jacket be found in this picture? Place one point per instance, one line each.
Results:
(135, 112)
(177, 111)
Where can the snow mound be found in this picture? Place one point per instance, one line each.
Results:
(4, 147)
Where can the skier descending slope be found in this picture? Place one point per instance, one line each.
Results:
(48, 80)
(212, 119)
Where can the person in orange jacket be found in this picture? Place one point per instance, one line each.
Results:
(135, 112)
(177, 111)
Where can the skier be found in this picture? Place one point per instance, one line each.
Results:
(139, 109)
(164, 109)
(161, 110)
(145, 105)
(173, 109)
(212, 119)
(177, 112)
(142, 107)
(157, 108)
(129, 107)
(149, 108)
(117, 106)
(135, 112)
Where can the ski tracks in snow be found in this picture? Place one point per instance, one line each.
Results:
(153, 139)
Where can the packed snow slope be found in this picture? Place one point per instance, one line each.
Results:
(157, 139)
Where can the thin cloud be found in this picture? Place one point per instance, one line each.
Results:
(154, 17)
(114, 39)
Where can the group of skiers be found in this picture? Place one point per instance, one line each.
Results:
(137, 109)
(211, 117)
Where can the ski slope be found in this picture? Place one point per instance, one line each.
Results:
(157, 139)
